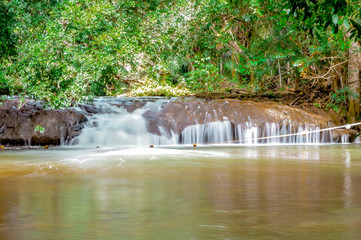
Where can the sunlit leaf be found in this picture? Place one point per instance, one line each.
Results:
(335, 19)
(346, 24)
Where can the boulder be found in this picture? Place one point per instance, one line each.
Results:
(18, 122)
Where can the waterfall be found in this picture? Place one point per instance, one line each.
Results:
(114, 125)
(110, 122)
(212, 132)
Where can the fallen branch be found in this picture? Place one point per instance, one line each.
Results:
(294, 101)
(331, 68)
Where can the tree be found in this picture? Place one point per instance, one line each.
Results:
(69, 51)
(7, 39)
(314, 15)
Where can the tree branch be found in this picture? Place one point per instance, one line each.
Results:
(331, 68)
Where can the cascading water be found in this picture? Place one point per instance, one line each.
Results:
(112, 123)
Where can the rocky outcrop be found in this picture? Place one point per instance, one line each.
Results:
(178, 115)
(18, 121)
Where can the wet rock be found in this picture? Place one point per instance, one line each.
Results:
(152, 119)
(177, 115)
(132, 105)
(18, 121)
(349, 135)
(129, 106)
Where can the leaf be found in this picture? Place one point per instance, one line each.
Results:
(356, 25)
(335, 19)
(346, 24)
(317, 34)
(39, 129)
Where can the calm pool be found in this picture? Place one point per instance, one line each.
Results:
(209, 192)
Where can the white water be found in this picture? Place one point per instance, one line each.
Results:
(115, 126)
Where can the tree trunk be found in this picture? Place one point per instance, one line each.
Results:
(279, 71)
(354, 82)
(233, 63)
(288, 74)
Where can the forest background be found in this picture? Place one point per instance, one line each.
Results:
(67, 51)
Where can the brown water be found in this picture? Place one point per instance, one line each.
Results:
(258, 192)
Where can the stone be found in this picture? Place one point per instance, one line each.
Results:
(18, 121)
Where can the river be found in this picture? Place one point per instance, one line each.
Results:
(181, 192)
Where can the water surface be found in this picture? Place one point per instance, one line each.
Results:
(208, 192)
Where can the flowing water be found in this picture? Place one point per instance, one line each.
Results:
(181, 192)
(113, 124)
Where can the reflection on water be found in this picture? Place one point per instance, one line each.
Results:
(210, 192)
(347, 188)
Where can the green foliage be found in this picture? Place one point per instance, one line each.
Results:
(2, 78)
(321, 14)
(204, 77)
(7, 38)
(340, 98)
(152, 88)
(21, 102)
(73, 51)
(341, 95)
(66, 51)
(316, 104)
(39, 129)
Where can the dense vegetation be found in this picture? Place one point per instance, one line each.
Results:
(66, 51)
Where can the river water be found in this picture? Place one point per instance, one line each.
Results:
(180, 192)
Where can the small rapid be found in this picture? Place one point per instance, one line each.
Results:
(114, 122)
